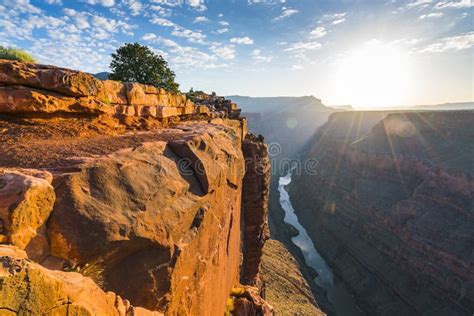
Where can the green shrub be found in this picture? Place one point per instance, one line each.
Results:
(16, 54)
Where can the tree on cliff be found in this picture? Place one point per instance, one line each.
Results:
(138, 63)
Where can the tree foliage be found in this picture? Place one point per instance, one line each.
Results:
(138, 63)
(16, 54)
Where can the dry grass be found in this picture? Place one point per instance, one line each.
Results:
(16, 54)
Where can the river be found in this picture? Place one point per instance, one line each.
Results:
(343, 303)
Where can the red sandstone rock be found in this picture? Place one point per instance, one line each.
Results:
(164, 243)
(65, 81)
(251, 304)
(25, 204)
(28, 288)
(23, 100)
(113, 92)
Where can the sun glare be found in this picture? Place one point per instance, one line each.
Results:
(375, 75)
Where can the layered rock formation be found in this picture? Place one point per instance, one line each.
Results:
(150, 210)
(391, 210)
(34, 88)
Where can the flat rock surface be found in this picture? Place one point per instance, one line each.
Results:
(51, 143)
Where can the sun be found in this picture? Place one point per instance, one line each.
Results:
(375, 75)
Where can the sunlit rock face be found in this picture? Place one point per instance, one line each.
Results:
(147, 207)
(391, 208)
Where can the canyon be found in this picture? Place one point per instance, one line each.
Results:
(390, 208)
(125, 199)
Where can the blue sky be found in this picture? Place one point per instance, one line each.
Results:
(365, 53)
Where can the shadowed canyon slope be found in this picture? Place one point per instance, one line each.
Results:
(391, 208)
(159, 202)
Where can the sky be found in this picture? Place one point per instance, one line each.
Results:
(368, 54)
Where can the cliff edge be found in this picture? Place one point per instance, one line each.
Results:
(147, 194)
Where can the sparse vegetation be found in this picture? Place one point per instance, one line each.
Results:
(138, 63)
(191, 94)
(93, 270)
(16, 54)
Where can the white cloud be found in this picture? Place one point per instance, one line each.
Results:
(432, 15)
(242, 40)
(318, 32)
(223, 23)
(257, 55)
(190, 35)
(222, 31)
(418, 3)
(197, 5)
(53, 1)
(135, 6)
(201, 19)
(169, 3)
(454, 4)
(335, 18)
(285, 13)
(266, 1)
(224, 52)
(105, 3)
(23, 6)
(187, 57)
(297, 67)
(303, 46)
(162, 21)
(450, 44)
(335, 22)
(149, 37)
(161, 10)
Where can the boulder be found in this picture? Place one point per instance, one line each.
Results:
(209, 160)
(26, 201)
(65, 81)
(28, 288)
(248, 302)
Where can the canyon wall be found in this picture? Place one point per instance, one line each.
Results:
(391, 209)
(137, 189)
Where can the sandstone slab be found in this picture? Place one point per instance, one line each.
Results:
(64, 81)
(26, 201)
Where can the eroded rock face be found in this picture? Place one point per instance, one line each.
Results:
(392, 212)
(165, 243)
(28, 288)
(60, 80)
(23, 99)
(26, 200)
(255, 195)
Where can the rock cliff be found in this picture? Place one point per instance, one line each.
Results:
(160, 203)
(391, 209)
